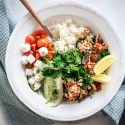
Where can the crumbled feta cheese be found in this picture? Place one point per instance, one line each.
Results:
(73, 29)
(71, 47)
(67, 39)
(73, 39)
(70, 40)
(81, 29)
(43, 51)
(67, 32)
(63, 32)
(24, 60)
(29, 72)
(64, 24)
(58, 26)
(38, 64)
(31, 58)
(60, 42)
(38, 77)
(25, 48)
(60, 45)
(31, 81)
(68, 21)
(37, 85)
(61, 48)
(66, 48)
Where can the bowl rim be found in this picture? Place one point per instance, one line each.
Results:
(47, 6)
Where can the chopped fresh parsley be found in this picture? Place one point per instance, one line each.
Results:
(91, 93)
(87, 80)
(52, 72)
(74, 72)
(59, 61)
(69, 65)
(103, 54)
(87, 52)
(93, 37)
(72, 56)
(80, 40)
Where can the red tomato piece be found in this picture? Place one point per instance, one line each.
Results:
(33, 47)
(38, 56)
(40, 33)
(50, 47)
(30, 39)
(42, 42)
(50, 55)
(28, 53)
(96, 47)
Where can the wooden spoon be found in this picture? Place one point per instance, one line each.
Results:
(37, 18)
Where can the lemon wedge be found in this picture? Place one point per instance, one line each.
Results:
(102, 78)
(103, 64)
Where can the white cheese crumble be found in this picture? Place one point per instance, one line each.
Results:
(24, 60)
(25, 48)
(31, 81)
(31, 58)
(29, 72)
(67, 33)
(43, 51)
(38, 77)
(37, 85)
(38, 64)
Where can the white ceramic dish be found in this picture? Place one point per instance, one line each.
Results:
(55, 13)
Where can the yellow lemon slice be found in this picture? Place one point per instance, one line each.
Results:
(102, 78)
(103, 64)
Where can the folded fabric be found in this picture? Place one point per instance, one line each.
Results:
(18, 114)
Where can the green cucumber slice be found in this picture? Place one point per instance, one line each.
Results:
(48, 88)
(59, 88)
(32, 87)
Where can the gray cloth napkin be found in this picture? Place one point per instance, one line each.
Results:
(17, 113)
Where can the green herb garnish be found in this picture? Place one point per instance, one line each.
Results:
(93, 37)
(91, 93)
(72, 56)
(103, 54)
(87, 80)
(80, 40)
(52, 72)
(69, 65)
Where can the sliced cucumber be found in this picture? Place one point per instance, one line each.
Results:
(59, 87)
(48, 88)
(32, 87)
(40, 92)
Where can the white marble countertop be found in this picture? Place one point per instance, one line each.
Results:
(114, 10)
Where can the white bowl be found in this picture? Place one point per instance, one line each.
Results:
(83, 16)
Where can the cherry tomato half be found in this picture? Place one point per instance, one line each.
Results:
(33, 47)
(30, 39)
(40, 33)
(42, 42)
(50, 55)
(28, 53)
(38, 56)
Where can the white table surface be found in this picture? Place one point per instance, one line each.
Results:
(114, 10)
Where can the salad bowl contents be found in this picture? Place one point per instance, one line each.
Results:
(68, 72)
(70, 69)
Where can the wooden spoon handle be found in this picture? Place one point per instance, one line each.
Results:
(37, 18)
(32, 12)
